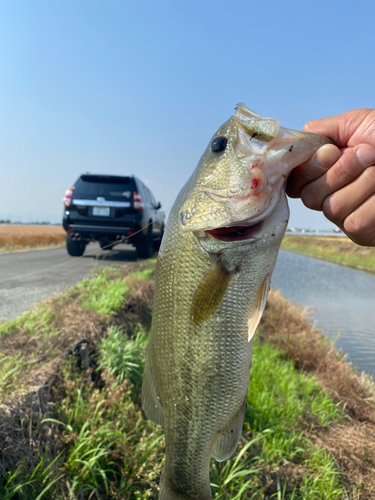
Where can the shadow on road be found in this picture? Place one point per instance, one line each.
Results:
(116, 255)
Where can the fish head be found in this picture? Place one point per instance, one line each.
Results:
(242, 174)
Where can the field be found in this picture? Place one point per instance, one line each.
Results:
(340, 250)
(71, 426)
(20, 237)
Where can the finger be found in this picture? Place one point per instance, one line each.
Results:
(349, 166)
(312, 169)
(344, 128)
(360, 224)
(339, 205)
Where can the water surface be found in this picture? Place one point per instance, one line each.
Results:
(343, 300)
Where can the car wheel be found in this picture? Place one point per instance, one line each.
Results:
(75, 248)
(145, 248)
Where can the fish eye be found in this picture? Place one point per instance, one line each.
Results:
(219, 144)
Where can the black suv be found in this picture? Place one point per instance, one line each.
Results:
(112, 209)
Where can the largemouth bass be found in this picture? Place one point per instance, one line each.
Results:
(213, 276)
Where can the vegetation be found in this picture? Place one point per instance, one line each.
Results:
(71, 430)
(23, 237)
(340, 250)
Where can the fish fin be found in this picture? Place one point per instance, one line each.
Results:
(259, 306)
(226, 444)
(151, 403)
(167, 492)
(210, 292)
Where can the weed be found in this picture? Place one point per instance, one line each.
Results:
(123, 358)
(101, 293)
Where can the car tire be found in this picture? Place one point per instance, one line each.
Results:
(145, 248)
(75, 248)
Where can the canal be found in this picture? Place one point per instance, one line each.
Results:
(343, 302)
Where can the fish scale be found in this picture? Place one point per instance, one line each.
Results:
(210, 294)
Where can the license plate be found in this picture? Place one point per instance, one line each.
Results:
(102, 211)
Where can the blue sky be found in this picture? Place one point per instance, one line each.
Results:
(139, 87)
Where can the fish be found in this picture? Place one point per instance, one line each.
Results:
(212, 278)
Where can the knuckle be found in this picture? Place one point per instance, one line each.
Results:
(309, 126)
(343, 171)
(360, 224)
(354, 226)
(347, 168)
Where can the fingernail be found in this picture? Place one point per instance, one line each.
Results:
(366, 155)
(327, 155)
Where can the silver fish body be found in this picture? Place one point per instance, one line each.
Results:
(213, 275)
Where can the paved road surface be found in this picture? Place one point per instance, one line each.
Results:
(26, 278)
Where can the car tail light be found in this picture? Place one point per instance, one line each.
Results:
(137, 201)
(68, 197)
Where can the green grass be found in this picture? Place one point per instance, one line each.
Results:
(336, 250)
(102, 293)
(121, 357)
(144, 275)
(108, 450)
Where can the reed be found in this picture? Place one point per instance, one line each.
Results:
(18, 237)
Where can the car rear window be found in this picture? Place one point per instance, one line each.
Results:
(109, 187)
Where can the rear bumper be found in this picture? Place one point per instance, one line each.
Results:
(81, 228)
(96, 233)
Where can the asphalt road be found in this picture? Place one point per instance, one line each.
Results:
(26, 278)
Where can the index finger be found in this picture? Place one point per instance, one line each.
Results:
(348, 129)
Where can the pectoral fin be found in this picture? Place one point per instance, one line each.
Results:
(258, 308)
(210, 292)
(151, 404)
(226, 443)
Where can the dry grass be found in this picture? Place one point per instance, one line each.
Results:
(351, 443)
(18, 237)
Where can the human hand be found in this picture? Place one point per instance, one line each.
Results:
(340, 180)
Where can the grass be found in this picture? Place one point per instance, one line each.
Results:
(23, 237)
(340, 250)
(114, 457)
(86, 437)
(103, 293)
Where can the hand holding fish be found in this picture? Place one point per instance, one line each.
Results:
(340, 180)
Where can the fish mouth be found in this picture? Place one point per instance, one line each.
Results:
(235, 233)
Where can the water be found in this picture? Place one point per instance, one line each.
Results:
(343, 300)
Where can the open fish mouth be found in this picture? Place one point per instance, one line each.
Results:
(235, 233)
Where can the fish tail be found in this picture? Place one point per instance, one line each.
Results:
(167, 492)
